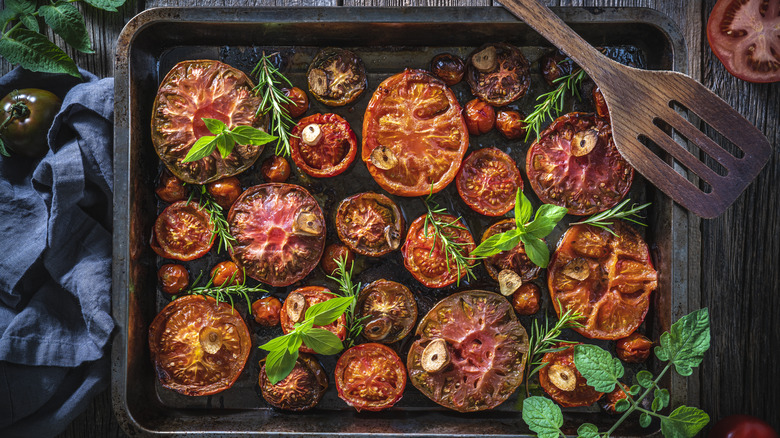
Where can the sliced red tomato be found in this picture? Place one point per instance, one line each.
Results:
(488, 181)
(370, 224)
(294, 311)
(390, 311)
(370, 377)
(183, 231)
(515, 259)
(561, 380)
(323, 145)
(745, 36)
(301, 390)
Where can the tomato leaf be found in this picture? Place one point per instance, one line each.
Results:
(35, 52)
(686, 342)
(547, 217)
(250, 135)
(645, 419)
(279, 364)
(322, 341)
(496, 243)
(3, 150)
(326, 312)
(29, 21)
(635, 390)
(106, 5)
(523, 210)
(587, 430)
(214, 126)
(684, 422)
(622, 405)
(65, 20)
(597, 365)
(662, 395)
(542, 416)
(202, 148)
(537, 250)
(21, 6)
(645, 378)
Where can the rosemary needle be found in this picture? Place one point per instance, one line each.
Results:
(273, 99)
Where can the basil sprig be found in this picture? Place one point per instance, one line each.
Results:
(531, 233)
(225, 139)
(683, 347)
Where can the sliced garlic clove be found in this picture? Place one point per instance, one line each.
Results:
(383, 158)
(210, 340)
(392, 236)
(562, 377)
(377, 329)
(318, 82)
(485, 60)
(509, 282)
(296, 307)
(435, 356)
(307, 223)
(583, 142)
(577, 269)
(311, 134)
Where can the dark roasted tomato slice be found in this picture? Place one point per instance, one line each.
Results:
(390, 311)
(294, 311)
(199, 89)
(279, 231)
(370, 377)
(488, 181)
(198, 346)
(607, 278)
(414, 135)
(515, 260)
(370, 224)
(323, 145)
(471, 352)
(425, 257)
(561, 380)
(336, 77)
(171, 189)
(448, 67)
(554, 65)
(745, 36)
(301, 390)
(575, 164)
(183, 231)
(498, 73)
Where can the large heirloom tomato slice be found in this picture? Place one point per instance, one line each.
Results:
(199, 89)
(414, 135)
(323, 145)
(294, 311)
(301, 390)
(389, 309)
(607, 278)
(575, 164)
(370, 224)
(561, 380)
(471, 352)
(425, 257)
(370, 377)
(488, 181)
(183, 231)
(515, 260)
(198, 346)
(498, 73)
(280, 233)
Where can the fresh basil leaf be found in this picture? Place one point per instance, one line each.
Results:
(547, 217)
(202, 148)
(622, 405)
(35, 52)
(29, 21)
(66, 20)
(686, 342)
(106, 5)
(21, 6)
(645, 419)
(250, 135)
(523, 210)
(496, 243)
(684, 422)
(542, 416)
(322, 341)
(295, 342)
(587, 430)
(221, 142)
(279, 364)
(662, 395)
(537, 250)
(599, 368)
(326, 312)
(645, 378)
(214, 126)
(276, 343)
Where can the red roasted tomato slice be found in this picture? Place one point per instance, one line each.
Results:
(390, 311)
(561, 380)
(183, 231)
(471, 352)
(280, 233)
(370, 377)
(294, 311)
(575, 164)
(323, 145)
(424, 255)
(301, 390)
(370, 224)
(488, 181)
(515, 259)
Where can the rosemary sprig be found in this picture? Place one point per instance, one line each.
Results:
(220, 228)
(269, 79)
(348, 289)
(552, 101)
(453, 250)
(226, 291)
(607, 217)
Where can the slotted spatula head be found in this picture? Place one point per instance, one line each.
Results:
(642, 106)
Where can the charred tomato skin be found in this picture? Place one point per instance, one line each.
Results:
(515, 259)
(223, 272)
(635, 348)
(488, 181)
(511, 124)
(370, 224)
(183, 231)
(582, 394)
(480, 117)
(506, 82)
(266, 311)
(173, 278)
(275, 169)
(313, 295)
(337, 67)
(301, 390)
(448, 67)
(600, 103)
(333, 252)
(170, 189)
(300, 102)
(390, 311)
(332, 154)
(370, 377)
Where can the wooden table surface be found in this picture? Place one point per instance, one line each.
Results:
(737, 276)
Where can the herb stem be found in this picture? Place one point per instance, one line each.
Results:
(269, 78)
(635, 403)
(451, 248)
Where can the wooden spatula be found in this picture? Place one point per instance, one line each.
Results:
(642, 103)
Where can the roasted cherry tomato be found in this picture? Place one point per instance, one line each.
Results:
(294, 311)
(498, 73)
(170, 188)
(424, 255)
(370, 224)
(634, 348)
(267, 311)
(370, 377)
(488, 181)
(301, 390)
(471, 352)
(300, 102)
(526, 299)
(742, 426)
(744, 35)
(279, 231)
(333, 252)
(610, 399)
(554, 65)
(575, 164)
(511, 124)
(323, 145)
(390, 311)
(480, 117)
(561, 380)
(226, 271)
(607, 278)
(188, 94)
(25, 118)
(336, 77)
(275, 169)
(183, 231)
(198, 346)
(515, 260)
(173, 278)
(225, 191)
(600, 104)
(414, 135)
(448, 67)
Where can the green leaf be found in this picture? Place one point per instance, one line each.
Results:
(34, 52)
(645, 378)
(295, 341)
(106, 5)
(662, 395)
(537, 250)
(202, 148)
(635, 390)
(67, 22)
(222, 147)
(250, 135)
(686, 342)
(599, 368)
(3, 151)
(542, 416)
(21, 6)
(498, 242)
(547, 217)
(29, 21)
(326, 312)
(279, 364)
(322, 341)
(645, 419)
(213, 125)
(622, 405)
(656, 405)
(684, 422)
(276, 343)
(7, 15)
(587, 430)
(523, 210)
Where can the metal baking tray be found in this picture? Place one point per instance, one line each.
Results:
(388, 40)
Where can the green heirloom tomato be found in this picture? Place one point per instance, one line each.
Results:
(25, 118)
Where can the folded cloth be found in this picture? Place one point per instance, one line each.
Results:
(55, 260)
